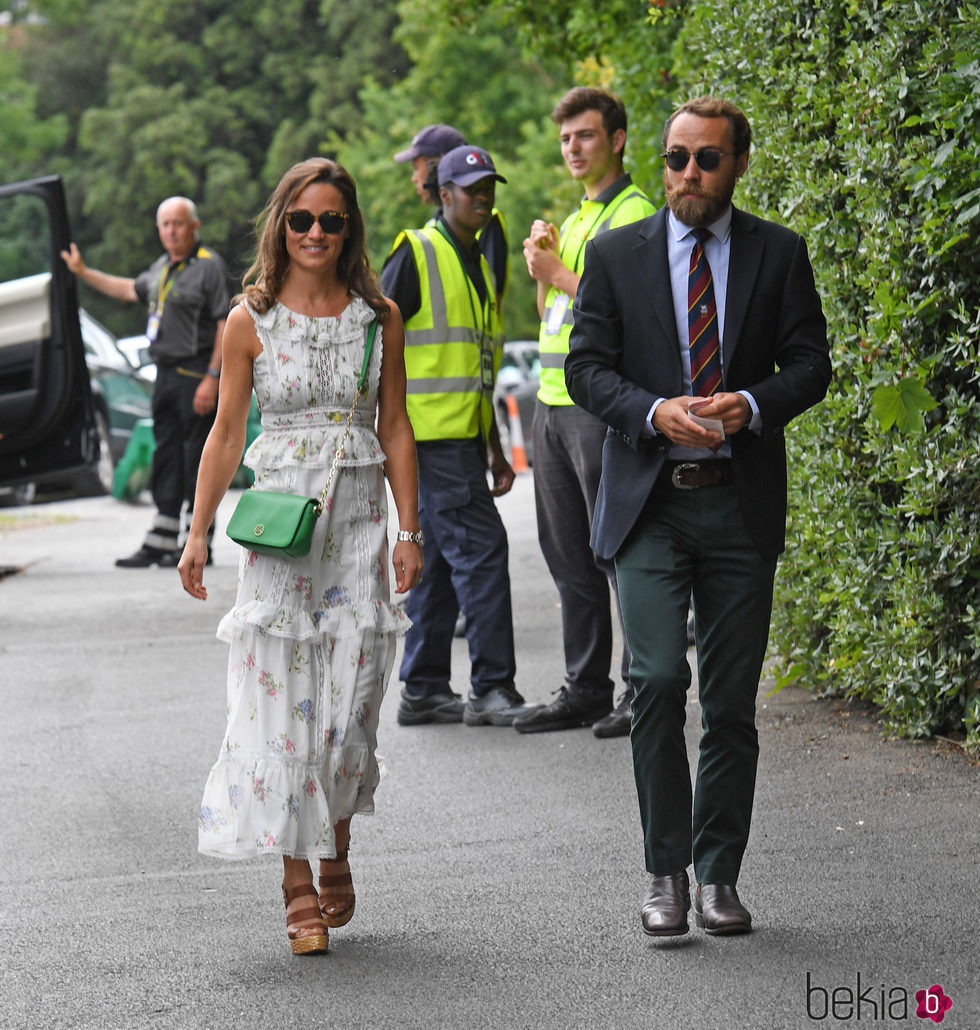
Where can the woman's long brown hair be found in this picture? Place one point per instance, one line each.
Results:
(268, 270)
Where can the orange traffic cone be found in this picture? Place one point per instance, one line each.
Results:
(518, 457)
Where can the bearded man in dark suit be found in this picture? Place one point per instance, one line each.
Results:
(698, 336)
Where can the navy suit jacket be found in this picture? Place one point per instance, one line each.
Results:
(624, 354)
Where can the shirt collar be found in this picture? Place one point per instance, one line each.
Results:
(610, 191)
(473, 252)
(720, 228)
(187, 259)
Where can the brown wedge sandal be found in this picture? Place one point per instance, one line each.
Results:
(304, 925)
(336, 895)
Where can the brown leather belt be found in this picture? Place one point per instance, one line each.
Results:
(689, 475)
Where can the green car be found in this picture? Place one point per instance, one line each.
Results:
(122, 398)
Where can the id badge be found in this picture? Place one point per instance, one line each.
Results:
(152, 326)
(486, 368)
(556, 314)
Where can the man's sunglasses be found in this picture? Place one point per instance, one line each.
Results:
(708, 158)
(330, 221)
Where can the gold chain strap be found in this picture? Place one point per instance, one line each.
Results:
(337, 454)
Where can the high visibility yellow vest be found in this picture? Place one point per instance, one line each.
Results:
(453, 343)
(593, 217)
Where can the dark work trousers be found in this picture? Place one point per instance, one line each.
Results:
(567, 465)
(179, 434)
(466, 556)
(695, 541)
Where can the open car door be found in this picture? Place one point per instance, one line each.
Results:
(47, 414)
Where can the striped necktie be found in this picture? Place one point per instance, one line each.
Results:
(702, 321)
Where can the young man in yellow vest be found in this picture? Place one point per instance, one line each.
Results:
(442, 284)
(425, 151)
(567, 439)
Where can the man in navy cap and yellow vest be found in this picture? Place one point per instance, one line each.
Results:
(442, 284)
(567, 438)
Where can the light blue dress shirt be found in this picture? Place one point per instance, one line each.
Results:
(717, 249)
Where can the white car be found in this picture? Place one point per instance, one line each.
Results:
(520, 369)
(137, 349)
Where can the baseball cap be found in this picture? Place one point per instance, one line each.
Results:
(465, 165)
(432, 141)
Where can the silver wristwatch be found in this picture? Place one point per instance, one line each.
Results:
(413, 538)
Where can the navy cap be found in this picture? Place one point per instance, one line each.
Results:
(432, 141)
(466, 165)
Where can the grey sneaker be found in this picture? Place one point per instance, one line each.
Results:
(414, 711)
(497, 707)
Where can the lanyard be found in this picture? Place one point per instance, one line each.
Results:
(485, 304)
(168, 276)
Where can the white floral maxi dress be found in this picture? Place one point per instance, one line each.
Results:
(312, 639)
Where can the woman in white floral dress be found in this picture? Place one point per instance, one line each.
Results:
(312, 639)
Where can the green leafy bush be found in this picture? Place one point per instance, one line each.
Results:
(866, 115)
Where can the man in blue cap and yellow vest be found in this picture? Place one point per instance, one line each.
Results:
(425, 151)
(442, 284)
(568, 439)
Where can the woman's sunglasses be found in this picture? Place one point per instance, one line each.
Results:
(330, 221)
(708, 158)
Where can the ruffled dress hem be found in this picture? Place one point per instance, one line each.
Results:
(301, 625)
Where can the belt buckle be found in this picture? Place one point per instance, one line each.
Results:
(675, 476)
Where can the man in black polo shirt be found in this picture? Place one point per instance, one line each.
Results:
(186, 293)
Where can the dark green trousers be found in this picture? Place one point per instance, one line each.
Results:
(694, 542)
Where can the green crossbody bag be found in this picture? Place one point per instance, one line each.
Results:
(280, 524)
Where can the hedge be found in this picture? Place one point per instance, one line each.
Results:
(865, 116)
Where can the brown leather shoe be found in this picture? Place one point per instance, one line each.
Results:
(664, 912)
(718, 910)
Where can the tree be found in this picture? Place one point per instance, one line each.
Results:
(28, 138)
(193, 99)
(864, 113)
(866, 116)
(498, 95)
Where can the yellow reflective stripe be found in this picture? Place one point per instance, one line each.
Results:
(437, 289)
(553, 359)
(445, 384)
(569, 318)
(437, 337)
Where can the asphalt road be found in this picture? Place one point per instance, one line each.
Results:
(498, 884)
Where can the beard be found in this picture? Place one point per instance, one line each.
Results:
(696, 206)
